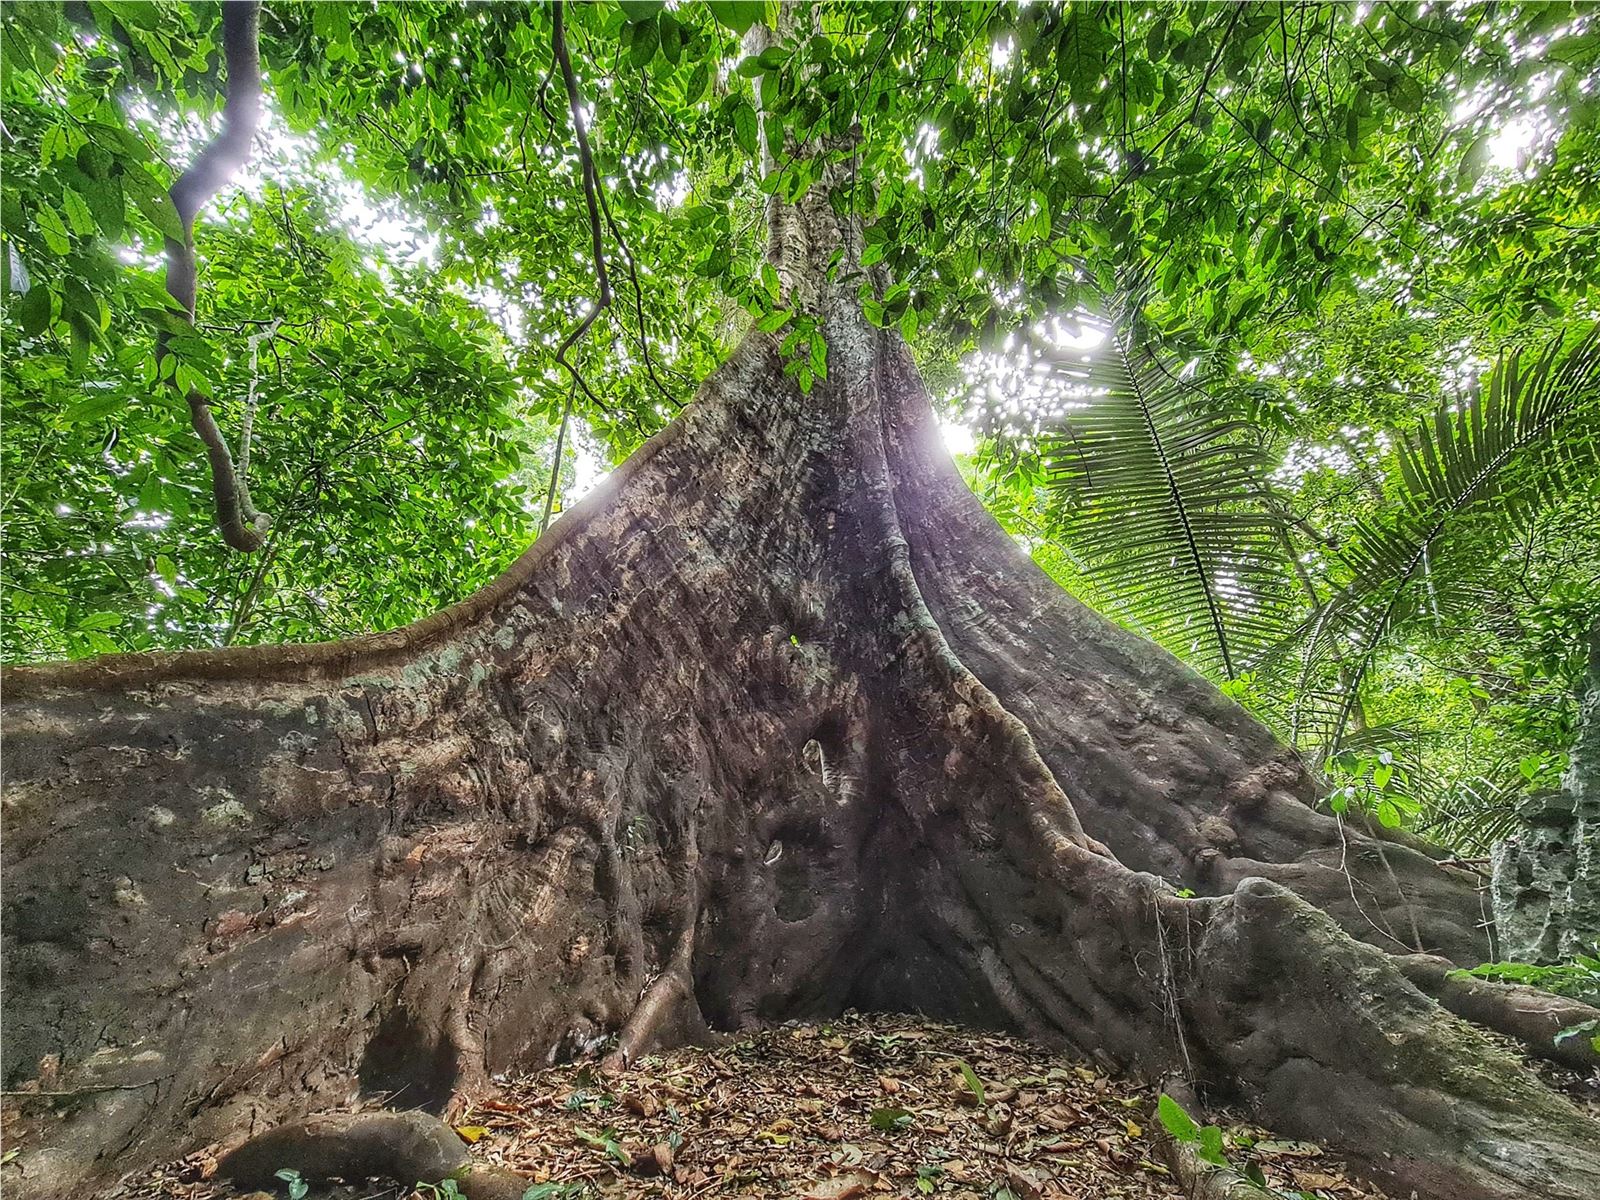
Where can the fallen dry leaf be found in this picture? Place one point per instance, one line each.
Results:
(841, 1187)
(1029, 1185)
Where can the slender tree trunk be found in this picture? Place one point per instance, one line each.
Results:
(777, 722)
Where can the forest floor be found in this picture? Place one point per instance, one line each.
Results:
(858, 1107)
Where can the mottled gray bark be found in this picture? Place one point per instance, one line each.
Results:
(1547, 875)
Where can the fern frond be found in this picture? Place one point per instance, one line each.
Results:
(1501, 446)
(1154, 483)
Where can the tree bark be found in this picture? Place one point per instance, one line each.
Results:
(777, 722)
(1546, 882)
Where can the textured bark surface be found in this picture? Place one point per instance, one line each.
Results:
(1547, 876)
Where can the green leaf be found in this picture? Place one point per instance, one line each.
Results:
(974, 1084)
(105, 201)
(1081, 55)
(646, 41)
(745, 131)
(1474, 161)
(167, 320)
(79, 304)
(150, 198)
(101, 620)
(737, 15)
(78, 215)
(34, 310)
(638, 11)
(57, 142)
(1405, 93)
(699, 81)
(93, 407)
(889, 1119)
(1147, 476)
(53, 230)
(1176, 1120)
(672, 38)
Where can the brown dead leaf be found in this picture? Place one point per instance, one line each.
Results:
(641, 1104)
(1026, 1183)
(841, 1187)
(774, 1115)
(1061, 1117)
(1274, 1148)
(1317, 1179)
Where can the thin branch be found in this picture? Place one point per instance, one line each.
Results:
(555, 463)
(591, 193)
(638, 301)
(242, 527)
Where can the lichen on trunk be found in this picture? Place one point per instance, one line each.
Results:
(777, 722)
(1546, 881)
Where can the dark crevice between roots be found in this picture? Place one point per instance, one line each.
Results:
(408, 1065)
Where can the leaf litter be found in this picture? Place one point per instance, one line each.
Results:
(857, 1108)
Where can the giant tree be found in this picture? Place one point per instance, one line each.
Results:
(778, 720)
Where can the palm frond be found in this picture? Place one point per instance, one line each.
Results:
(1500, 446)
(1154, 483)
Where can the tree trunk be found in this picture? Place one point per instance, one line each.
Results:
(777, 722)
(1547, 875)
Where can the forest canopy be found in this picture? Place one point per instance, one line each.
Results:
(1266, 328)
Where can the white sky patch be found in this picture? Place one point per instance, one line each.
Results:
(958, 438)
(1510, 147)
(1034, 379)
(589, 467)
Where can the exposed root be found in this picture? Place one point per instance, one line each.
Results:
(407, 1147)
(668, 998)
(1532, 1016)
